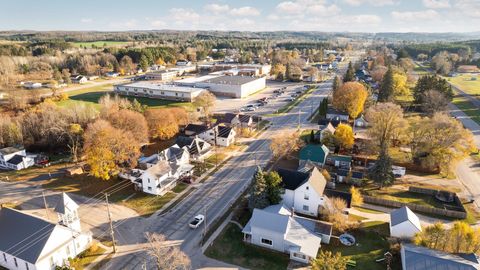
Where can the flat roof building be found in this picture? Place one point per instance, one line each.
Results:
(160, 91)
(234, 86)
(164, 75)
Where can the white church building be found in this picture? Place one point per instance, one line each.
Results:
(28, 242)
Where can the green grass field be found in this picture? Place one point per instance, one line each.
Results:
(91, 95)
(466, 84)
(468, 108)
(101, 44)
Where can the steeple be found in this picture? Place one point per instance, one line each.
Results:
(67, 211)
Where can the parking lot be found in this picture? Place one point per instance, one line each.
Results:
(225, 104)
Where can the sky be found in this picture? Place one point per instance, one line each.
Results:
(243, 15)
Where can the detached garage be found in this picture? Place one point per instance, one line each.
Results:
(404, 223)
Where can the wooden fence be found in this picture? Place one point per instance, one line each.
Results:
(457, 214)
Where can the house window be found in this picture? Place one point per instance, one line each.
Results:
(4, 257)
(148, 180)
(266, 242)
(15, 261)
(26, 266)
(299, 255)
(305, 197)
(149, 188)
(305, 208)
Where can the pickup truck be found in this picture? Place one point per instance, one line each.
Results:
(197, 220)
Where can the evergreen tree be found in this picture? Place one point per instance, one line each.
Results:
(312, 136)
(350, 75)
(258, 195)
(143, 62)
(431, 82)
(386, 92)
(382, 170)
(322, 110)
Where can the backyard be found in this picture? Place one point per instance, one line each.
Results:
(125, 194)
(371, 245)
(229, 247)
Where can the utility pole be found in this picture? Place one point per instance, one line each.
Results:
(205, 227)
(215, 130)
(299, 111)
(45, 204)
(111, 226)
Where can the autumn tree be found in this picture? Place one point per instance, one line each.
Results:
(400, 87)
(132, 122)
(126, 65)
(336, 84)
(459, 238)
(327, 260)
(205, 102)
(344, 136)
(434, 102)
(350, 97)
(333, 212)
(167, 257)
(386, 124)
(439, 142)
(108, 149)
(10, 132)
(378, 72)
(162, 123)
(284, 145)
(357, 198)
(278, 71)
(387, 87)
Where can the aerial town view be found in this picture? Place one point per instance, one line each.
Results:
(221, 134)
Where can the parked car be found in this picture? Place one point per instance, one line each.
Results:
(251, 109)
(294, 95)
(299, 92)
(186, 179)
(197, 220)
(290, 99)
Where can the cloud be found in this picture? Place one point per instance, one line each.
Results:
(300, 7)
(436, 3)
(377, 3)
(121, 25)
(415, 15)
(245, 11)
(86, 20)
(216, 8)
(468, 7)
(158, 24)
(183, 14)
(289, 7)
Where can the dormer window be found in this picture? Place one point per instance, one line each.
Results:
(305, 197)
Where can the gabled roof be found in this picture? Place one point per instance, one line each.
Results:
(224, 132)
(182, 141)
(244, 118)
(17, 159)
(292, 179)
(226, 118)
(160, 169)
(314, 152)
(269, 221)
(65, 204)
(403, 214)
(196, 128)
(22, 235)
(421, 258)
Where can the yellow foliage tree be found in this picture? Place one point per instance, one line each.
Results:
(400, 84)
(162, 123)
(344, 136)
(357, 198)
(350, 97)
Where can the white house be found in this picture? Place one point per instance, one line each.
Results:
(333, 114)
(303, 191)
(15, 158)
(32, 243)
(219, 135)
(276, 228)
(32, 85)
(325, 131)
(196, 147)
(163, 75)
(78, 79)
(404, 223)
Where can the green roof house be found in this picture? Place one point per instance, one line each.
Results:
(313, 153)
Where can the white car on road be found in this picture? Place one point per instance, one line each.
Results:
(197, 220)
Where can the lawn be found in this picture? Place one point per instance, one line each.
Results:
(32, 173)
(126, 195)
(370, 246)
(229, 247)
(101, 44)
(91, 95)
(467, 107)
(87, 257)
(466, 84)
(405, 196)
(370, 211)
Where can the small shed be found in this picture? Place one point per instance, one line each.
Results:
(404, 223)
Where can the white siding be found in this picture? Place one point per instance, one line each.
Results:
(403, 230)
(306, 196)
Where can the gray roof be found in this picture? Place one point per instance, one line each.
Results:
(403, 214)
(421, 258)
(65, 204)
(9, 150)
(233, 80)
(269, 221)
(22, 235)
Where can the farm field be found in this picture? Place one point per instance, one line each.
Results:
(469, 84)
(101, 44)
